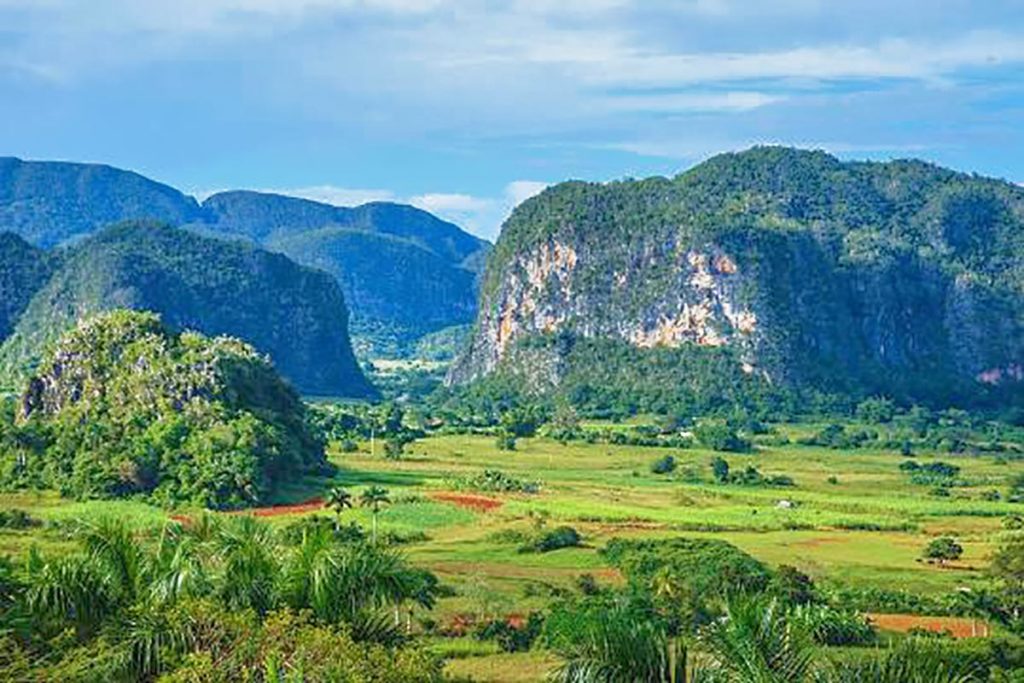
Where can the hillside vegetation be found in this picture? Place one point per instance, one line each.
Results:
(51, 203)
(404, 272)
(24, 271)
(846, 279)
(121, 405)
(295, 315)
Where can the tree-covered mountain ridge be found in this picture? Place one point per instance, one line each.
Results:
(294, 314)
(862, 277)
(404, 271)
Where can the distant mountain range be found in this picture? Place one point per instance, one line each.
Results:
(404, 272)
(294, 314)
(901, 278)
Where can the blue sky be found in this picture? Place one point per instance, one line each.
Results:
(468, 106)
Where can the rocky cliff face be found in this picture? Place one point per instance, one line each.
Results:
(845, 276)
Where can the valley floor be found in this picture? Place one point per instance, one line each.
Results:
(853, 518)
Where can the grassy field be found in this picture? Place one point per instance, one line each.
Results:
(852, 518)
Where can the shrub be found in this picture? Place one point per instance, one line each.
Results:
(708, 565)
(17, 519)
(792, 586)
(494, 481)
(587, 584)
(876, 410)
(394, 447)
(720, 470)
(943, 549)
(720, 437)
(511, 637)
(664, 465)
(559, 537)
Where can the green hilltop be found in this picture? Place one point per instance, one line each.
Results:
(844, 278)
(296, 315)
(404, 272)
(121, 406)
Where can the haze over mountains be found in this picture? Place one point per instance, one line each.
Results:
(403, 271)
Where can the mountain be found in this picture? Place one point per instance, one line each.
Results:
(262, 215)
(788, 268)
(128, 407)
(23, 270)
(294, 314)
(51, 202)
(405, 273)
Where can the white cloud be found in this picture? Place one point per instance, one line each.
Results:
(450, 203)
(885, 59)
(482, 216)
(518, 191)
(693, 101)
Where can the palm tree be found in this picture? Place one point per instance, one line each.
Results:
(912, 661)
(754, 642)
(351, 583)
(373, 498)
(249, 557)
(618, 645)
(338, 499)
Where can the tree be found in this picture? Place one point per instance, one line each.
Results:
(876, 410)
(720, 437)
(756, 642)
(943, 549)
(393, 416)
(373, 498)
(720, 468)
(393, 447)
(250, 558)
(338, 499)
(522, 421)
(1007, 569)
(614, 644)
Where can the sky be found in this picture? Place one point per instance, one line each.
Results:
(467, 107)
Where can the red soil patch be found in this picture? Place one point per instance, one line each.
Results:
(278, 510)
(469, 501)
(463, 624)
(959, 627)
(271, 511)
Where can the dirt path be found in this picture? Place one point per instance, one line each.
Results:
(960, 627)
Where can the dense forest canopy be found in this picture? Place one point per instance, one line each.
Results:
(846, 278)
(120, 405)
(296, 315)
(404, 272)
